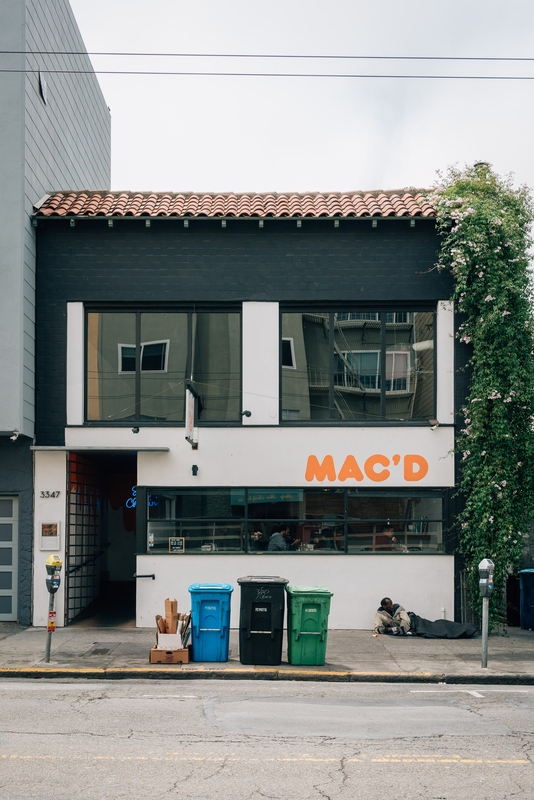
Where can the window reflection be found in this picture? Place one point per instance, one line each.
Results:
(171, 347)
(340, 358)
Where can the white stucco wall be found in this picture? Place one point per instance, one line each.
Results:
(50, 470)
(277, 456)
(423, 584)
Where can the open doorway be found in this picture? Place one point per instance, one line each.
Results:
(101, 539)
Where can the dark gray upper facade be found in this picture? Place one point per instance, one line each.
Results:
(132, 265)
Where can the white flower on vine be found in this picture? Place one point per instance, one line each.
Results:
(488, 298)
(490, 519)
(506, 313)
(480, 274)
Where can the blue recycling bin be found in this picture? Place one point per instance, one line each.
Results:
(210, 620)
(526, 603)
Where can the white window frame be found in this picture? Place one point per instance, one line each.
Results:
(292, 346)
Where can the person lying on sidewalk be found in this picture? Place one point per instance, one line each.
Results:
(391, 618)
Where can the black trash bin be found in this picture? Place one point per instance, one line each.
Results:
(526, 607)
(261, 619)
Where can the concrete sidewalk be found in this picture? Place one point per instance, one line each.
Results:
(86, 651)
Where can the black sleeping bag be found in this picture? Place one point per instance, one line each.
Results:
(440, 628)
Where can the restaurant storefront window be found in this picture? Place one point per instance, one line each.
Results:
(331, 521)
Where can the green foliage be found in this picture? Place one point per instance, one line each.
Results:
(484, 225)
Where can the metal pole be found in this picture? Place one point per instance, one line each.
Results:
(49, 635)
(485, 614)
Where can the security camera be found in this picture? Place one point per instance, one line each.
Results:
(246, 413)
(135, 430)
(15, 436)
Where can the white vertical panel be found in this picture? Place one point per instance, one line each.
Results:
(445, 361)
(75, 363)
(50, 476)
(261, 349)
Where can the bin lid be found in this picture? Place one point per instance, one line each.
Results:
(271, 579)
(211, 587)
(525, 570)
(308, 590)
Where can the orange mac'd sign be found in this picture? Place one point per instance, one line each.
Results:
(376, 468)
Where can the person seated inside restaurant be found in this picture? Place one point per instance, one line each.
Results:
(258, 540)
(282, 539)
(325, 539)
(386, 539)
(391, 618)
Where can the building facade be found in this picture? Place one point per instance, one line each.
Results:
(215, 369)
(55, 132)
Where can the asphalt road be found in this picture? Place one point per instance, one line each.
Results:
(237, 740)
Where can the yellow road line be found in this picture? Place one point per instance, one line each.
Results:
(298, 759)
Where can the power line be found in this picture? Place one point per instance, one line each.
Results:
(264, 55)
(272, 74)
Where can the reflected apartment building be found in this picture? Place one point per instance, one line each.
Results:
(233, 365)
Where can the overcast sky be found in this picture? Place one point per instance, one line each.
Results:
(262, 134)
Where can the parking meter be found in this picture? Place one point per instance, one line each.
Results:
(53, 581)
(53, 569)
(485, 571)
(485, 584)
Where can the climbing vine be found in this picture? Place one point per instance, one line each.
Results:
(484, 224)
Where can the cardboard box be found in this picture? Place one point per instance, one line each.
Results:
(168, 641)
(171, 615)
(182, 656)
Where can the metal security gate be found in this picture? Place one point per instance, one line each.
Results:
(9, 539)
(84, 512)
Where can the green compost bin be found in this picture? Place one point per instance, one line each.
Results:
(307, 624)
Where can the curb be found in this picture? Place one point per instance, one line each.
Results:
(261, 674)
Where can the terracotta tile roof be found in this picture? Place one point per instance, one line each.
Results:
(163, 204)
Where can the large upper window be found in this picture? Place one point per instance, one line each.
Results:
(138, 364)
(358, 365)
